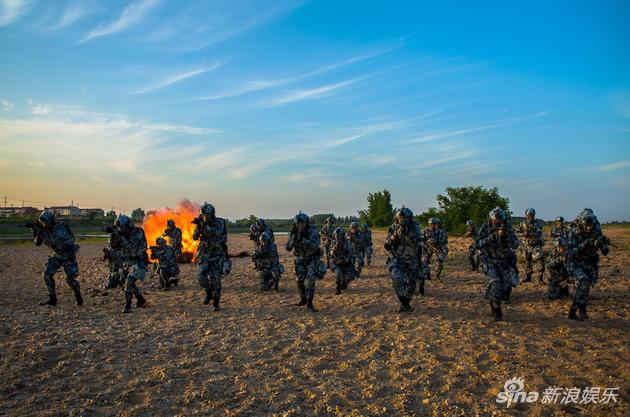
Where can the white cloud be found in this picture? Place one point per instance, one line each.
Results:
(71, 14)
(11, 10)
(6, 105)
(131, 15)
(305, 94)
(614, 166)
(177, 77)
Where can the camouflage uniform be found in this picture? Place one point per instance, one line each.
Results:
(304, 242)
(498, 243)
(435, 242)
(60, 240)
(342, 260)
(404, 244)
(174, 235)
(257, 229)
(114, 264)
(585, 241)
(212, 253)
(473, 253)
(530, 231)
(167, 267)
(266, 260)
(369, 246)
(358, 246)
(133, 248)
(559, 277)
(559, 229)
(327, 235)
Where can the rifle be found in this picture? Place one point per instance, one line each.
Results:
(36, 227)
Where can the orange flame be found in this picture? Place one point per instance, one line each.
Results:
(154, 224)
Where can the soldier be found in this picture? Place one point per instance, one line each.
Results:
(327, 235)
(342, 260)
(404, 244)
(174, 235)
(167, 267)
(585, 241)
(559, 277)
(369, 247)
(358, 246)
(257, 229)
(113, 256)
(59, 238)
(266, 260)
(559, 229)
(473, 253)
(435, 242)
(530, 232)
(497, 243)
(212, 253)
(304, 242)
(133, 249)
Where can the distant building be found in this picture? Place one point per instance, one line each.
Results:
(18, 211)
(96, 212)
(65, 211)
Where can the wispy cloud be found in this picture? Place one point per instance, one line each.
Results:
(305, 94)
(177, 77)
(73, 12)
(614, 166)
(131, 15)
(6, 105)
(261, 85)
(12, 10)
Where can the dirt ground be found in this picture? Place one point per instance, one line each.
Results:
(261, 356)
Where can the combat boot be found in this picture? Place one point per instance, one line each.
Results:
(338, 290)
(302, 302)
(275, 287)
(78, 298)
(209, 297)
(572, 312)
(127, 308)
(497, 314)
(541, 278)
(583, 315)
(141, 301)
(52, 301)
(309, 305)
(215, 301)
(528, 278)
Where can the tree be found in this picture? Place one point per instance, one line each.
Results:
(464, 203)
(245, 221)
(137, 215)
(380, 211)
(319, 219)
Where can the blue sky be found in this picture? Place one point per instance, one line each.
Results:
(271, 107)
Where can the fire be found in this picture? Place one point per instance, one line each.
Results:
(155, 223)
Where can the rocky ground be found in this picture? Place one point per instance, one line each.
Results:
(261, 356)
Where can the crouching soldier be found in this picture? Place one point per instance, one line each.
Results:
(304, 243)
(586, 241)
(212, 253)
(167, 267)
(266, 260)
(497, 243)
(133, 247)
(174, 234)
(559, 277)
(342, 260)
(59, 239)
(404, 244)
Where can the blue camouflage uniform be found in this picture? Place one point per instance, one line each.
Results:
(267, 262)
(133, 248)
(305, 244)
(404, 245)
(167, 267)
(530, 232)
(212, 254)
(498, 243)
(357, 239)
(342, 260)
(369, 245)
(435, 242)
